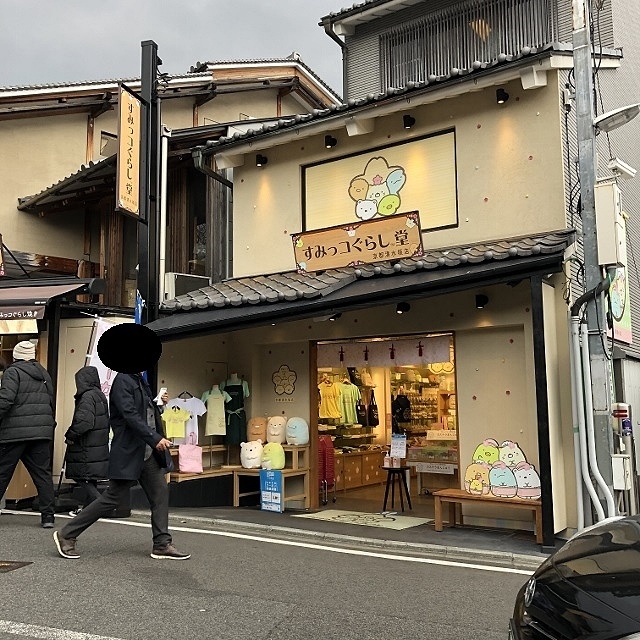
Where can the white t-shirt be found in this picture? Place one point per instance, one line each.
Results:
(196, 408)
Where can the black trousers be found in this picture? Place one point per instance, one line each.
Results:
(89, 490)
(153, 483)
(36, 457)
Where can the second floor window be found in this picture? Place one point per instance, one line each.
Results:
(456, 37)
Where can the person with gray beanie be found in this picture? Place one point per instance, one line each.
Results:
(27, 424)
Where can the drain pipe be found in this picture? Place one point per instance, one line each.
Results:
(162, 258)
(583, 397)
(593, 462)
(580, 438)
(577, 410)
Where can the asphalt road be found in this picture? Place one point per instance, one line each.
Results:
(239, 586)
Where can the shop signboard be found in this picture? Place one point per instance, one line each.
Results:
(129, 128)
(434, 467)
(389, 238)
(271, 490)
(398, 446)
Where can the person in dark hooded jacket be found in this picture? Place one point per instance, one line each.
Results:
(27, 424)
(88, 436)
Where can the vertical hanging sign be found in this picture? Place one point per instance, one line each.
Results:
(129, 128)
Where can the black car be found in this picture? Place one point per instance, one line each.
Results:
(588, 589)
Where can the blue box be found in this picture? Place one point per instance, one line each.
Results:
(271, 490)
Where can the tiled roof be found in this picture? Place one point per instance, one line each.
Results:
(291, 286)
(358, 7)
(393, 93)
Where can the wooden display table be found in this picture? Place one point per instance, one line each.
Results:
(295, 485)
(460, 496)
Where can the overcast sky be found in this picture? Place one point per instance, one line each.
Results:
(51, 41)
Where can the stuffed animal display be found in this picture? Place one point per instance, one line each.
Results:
(276, 429)
(272, 456)
(257, 429)
(251, 454)
(297, 431)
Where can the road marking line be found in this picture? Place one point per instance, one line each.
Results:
(321, 547)
(47, 633)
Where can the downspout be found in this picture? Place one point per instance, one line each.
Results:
(585, 424)
(162, 249)
(328, 29)
(579, 429)
(201, 165)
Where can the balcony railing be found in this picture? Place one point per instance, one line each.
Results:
(458, 36)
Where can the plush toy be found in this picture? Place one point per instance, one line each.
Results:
(511, 454)
(297, 431)
(273, 456)
(487, 451)
(476, 478)
(276, 427)
(251, 454)
(257, 429)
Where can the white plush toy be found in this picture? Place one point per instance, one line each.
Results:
(276, 427)
(251, 454)
(297, 432)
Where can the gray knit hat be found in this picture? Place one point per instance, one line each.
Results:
(24, 350)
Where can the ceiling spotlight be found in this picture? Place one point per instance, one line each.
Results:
(408, 121)
(501, 96)
(402, 307)
(330, 141)
(261, 160)
(481, 301)
(334, 317)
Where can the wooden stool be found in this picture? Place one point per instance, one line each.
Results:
(398, 473)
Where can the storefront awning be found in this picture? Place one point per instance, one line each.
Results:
(245, 302)
(29, 301)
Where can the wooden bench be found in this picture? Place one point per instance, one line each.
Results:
(460, 496)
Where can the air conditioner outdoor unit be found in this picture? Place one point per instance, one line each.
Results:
(177, 284)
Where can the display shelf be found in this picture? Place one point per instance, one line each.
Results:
(212, 463)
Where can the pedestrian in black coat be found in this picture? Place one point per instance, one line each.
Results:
(139, 453)
(26, 425)
(87, 438)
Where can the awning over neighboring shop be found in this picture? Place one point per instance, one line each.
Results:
(253, 301)
(29, 301)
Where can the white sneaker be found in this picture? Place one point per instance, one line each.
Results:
(75, 512)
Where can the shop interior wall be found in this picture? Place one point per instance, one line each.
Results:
(518, 145)
(193, 365)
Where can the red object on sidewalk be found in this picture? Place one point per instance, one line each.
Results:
(326, 468)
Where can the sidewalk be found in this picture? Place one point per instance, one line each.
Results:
(515, 549)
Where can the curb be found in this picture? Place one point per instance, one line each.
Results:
(435, 551)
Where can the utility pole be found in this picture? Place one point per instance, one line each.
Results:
(600, 366)
(149, 180)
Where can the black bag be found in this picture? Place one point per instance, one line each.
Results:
(354, 376)
(361, 413)
(372, 414)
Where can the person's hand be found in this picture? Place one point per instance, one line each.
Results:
(164, 397)
(164, 444)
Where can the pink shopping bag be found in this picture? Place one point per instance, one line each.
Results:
(190, 456)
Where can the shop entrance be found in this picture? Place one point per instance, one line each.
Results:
(370, 389)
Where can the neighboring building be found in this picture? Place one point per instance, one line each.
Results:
(470, 125)
(57, 203)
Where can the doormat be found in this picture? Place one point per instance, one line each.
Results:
(387, 520)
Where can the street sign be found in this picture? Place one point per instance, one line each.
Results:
(271, 490)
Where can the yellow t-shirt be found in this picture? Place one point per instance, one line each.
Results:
(175, 421)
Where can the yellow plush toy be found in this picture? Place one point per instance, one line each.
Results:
(272, 456)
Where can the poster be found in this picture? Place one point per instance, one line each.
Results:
(271, 490)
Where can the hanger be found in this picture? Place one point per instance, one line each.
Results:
(185, 394)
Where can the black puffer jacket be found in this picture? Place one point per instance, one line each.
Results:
(88, 451)
(26, 403)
